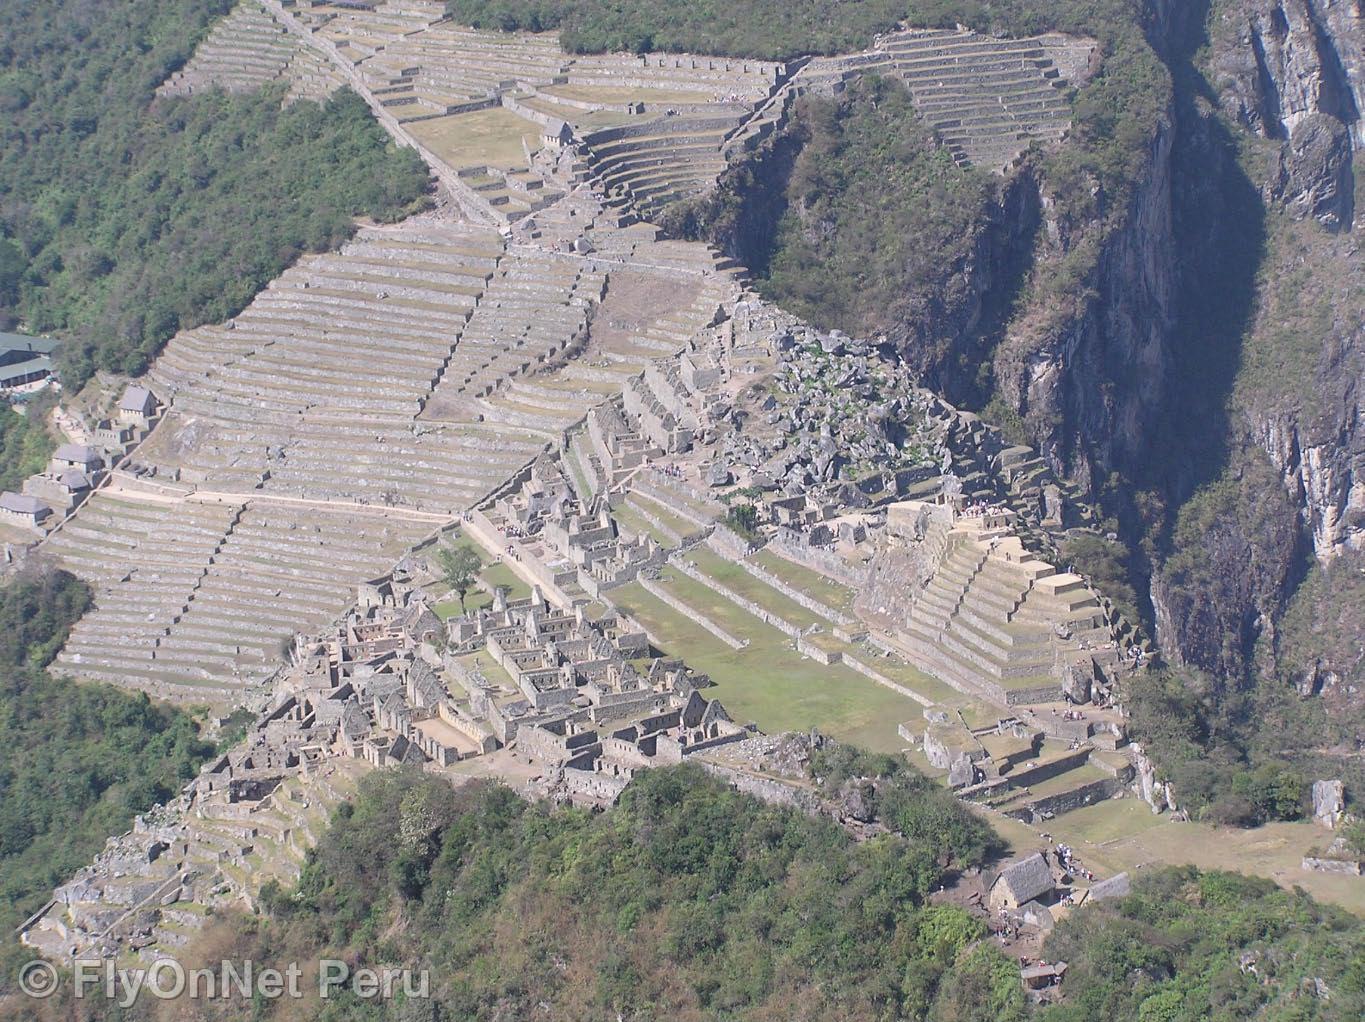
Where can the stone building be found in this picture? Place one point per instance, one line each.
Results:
(77, 456)
(1022, 881)
(23, 510)
(137, 408)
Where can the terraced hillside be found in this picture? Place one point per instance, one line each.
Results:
(151, 890)
(364, 399)
(369, 395)
(435, 72)
(330, 367)
(987, 98)
(195, 599)
(249, 49)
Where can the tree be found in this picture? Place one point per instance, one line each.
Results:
(743, 518)
(460, 567)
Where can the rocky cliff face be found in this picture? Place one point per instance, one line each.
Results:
(1090, 383)
(1308, 418)
(1279, 64)
(1291, 75)
(1220, 343)
(1293, 71)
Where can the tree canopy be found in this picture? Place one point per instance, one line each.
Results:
(1187, 946)
(688, 900)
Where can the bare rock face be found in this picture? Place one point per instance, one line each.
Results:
(1312, 176)
(1281, 61)
(1294, 70)
(1221, 594)
(1328, 802)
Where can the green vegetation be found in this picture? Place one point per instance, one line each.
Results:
(743, 519)
(768, 681)
(686, 901)
(749, 28)
(77, 762)
(1187, 945)
(877, 230)
(881, 226)
(1319, 634)
(123, 221)
(691, 901)
(26, 442)
(807, 580)
(1226, 757)
(490, 576)
(460, 566)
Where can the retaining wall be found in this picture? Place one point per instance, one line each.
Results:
(691, 613)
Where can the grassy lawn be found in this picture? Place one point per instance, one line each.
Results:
(768, 682)
(490, 668)
(481, 138)
(1119, 834)
(628, 519)
(584, 120)
(913, 678)
(682, 526)
(805, 580)
(492, 575)
(736, 578)
(475, 599)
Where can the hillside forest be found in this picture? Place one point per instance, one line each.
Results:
(77, 762)
(124, 218)
(690, 901)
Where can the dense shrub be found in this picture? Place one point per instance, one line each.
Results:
(688, 900)
(26, 442)
(1190, 945)
(1224, 753)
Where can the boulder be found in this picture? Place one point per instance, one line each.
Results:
(1329, 803)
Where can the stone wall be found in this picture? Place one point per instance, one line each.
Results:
(789, 545)
(728, 543)
(1346, 867)
(796, 595)
(765, 788)
(869, 671)
(691, 613)
(1066, 801)
(784, 626)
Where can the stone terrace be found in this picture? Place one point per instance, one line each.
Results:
(988, 99)
(966, 601)
(194, 599)
(660, 161)
(249, 49)
(314, 389)
(534, 313)
(442, 69)
(244, 51)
